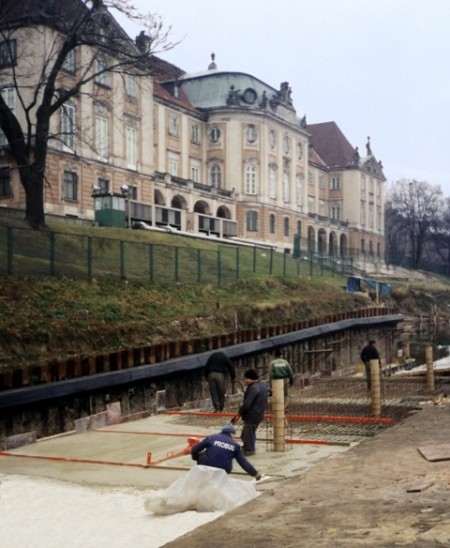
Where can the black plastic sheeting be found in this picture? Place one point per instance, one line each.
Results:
(50, 391)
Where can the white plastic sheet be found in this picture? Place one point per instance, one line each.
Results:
(203, 489)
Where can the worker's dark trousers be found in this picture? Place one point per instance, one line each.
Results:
(216, 383)
(248, 437)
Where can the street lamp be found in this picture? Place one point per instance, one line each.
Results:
(125, 189)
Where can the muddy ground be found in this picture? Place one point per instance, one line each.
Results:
(381, 493)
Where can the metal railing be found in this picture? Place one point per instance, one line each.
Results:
(49, 253)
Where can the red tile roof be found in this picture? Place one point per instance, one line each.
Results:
(159, 91)
(314, 158)
(331, 145)
(165, 71)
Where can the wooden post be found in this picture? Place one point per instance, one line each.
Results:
(278, 414)
(430, 371)
(375, 389)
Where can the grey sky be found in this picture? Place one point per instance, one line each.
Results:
(377, 68)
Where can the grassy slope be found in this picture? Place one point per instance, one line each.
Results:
(50, 318)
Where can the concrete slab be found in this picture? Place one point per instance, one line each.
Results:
(118, 455)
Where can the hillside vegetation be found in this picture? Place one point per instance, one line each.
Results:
(50, 318)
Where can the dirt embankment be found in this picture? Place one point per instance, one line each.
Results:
(52, 319)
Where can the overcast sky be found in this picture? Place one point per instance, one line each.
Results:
(377, 68)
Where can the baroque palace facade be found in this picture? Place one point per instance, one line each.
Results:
(216, 153)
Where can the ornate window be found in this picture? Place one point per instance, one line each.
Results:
(286, 144)
(299, 189)
(131, 147)
(102, 76)
(131, 86)
(101, 137)
(250, 179)
(371, 216)
(363, 212)
(272, 181)
(68, 126)
(252, 221)
(195, 170)
(195, 134)
(214, 134)
(173, 164)
(70, 185)
(215, 175)
(335, 183)
(335, 212)
(286, 187)
(173, 125)
(272, 223)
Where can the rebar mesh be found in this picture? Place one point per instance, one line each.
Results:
(337, 411)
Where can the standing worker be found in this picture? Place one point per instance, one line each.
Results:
(368, 353)
(279, 368)
(219, 450)
(252, 410)
(216, 369)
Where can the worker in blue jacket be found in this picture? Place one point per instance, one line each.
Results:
(219, 450)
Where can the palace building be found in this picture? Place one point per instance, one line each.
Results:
(222, 154)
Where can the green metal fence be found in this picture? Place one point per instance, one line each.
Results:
(47, 253)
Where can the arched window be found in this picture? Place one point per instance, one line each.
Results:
(250, 179)
(286, 226)
(215, 176)
(252, 221)
(272, 223)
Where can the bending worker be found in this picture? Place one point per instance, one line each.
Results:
(219, 450)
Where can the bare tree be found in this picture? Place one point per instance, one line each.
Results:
(395, 237)
(440, 237)
(37, 77)
(414, 209)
